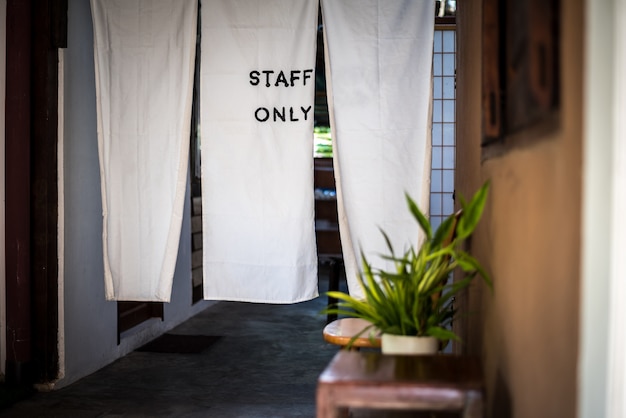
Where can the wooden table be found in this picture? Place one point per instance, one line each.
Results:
(371, 380)
(341, 331)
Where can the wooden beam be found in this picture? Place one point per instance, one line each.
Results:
(17, 143)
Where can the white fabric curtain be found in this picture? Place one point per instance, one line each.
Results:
(257, 96)
(378, 75)
(144, 52)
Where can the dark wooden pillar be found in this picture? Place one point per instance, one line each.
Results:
(35, 31)
(49, 28)
(18, 133)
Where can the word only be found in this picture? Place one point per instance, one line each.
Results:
(271, 78)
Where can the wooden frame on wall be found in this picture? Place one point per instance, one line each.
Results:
(520, 67)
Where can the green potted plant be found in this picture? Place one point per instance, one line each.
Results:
(413, 300)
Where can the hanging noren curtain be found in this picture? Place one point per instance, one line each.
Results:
(257, 95)
(378, 72)
(144, 53)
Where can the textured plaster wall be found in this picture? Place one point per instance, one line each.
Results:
(526, 331)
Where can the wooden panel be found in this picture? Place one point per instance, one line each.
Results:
(520, 66)
(531, 62)
(44, 182)
(370, 380)
(196, 276)
(324, 175)
(130, 314)
(196, 247)
(196, 206)
(196, 259)
(492, 81)
(328, 242)
(17, 176)
(326, 210)
(196, 293)
(326, 226)
(196, 224)
(196, 241)
(543, 26)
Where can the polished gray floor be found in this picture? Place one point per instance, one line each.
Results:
(265, 365)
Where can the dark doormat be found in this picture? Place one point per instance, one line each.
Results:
(179, 344)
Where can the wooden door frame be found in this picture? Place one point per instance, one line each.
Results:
(35, 31)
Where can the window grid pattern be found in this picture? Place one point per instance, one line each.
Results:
(443, 126)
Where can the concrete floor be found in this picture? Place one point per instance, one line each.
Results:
(265, 365)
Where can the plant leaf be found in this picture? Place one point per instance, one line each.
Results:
(472, 212)
(469, 263)
(442, 334)
(419, 216)
(387, 241)
(357, 335)
(444, 231)
(415, 297)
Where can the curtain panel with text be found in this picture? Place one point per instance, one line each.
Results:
(257, 95)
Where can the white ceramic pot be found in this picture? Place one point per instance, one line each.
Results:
(408, 344)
